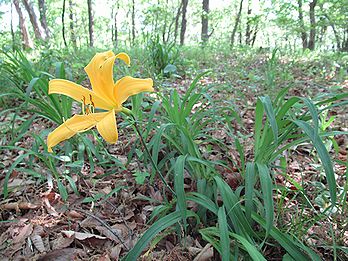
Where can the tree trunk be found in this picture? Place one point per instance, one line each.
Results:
(178, 13)
(302, 25)
(33, 19)
(205, 9)
(114, 27)
(248, 25)
(322, 30)
(43, 20)
(164, 29)
(183, 21)
(254, 35)
(72, 31)
(312, 32)
(133, 22)
(169, 30)
(90, 23)
(337, 37)
(85, 34)
(168, 23)
(63, 24)
(322, 33)
(26, 42)
(344, 44)
(233, 35)
(12, 30)
(240, 35)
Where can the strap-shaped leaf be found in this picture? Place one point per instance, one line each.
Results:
(224, 236)
(152, 231)
(323, 155)
(267, 192)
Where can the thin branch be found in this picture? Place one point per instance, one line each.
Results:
(104, 224)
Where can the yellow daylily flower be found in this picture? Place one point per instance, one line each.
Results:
(105, 94)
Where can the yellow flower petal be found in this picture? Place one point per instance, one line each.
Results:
(124, 57)
(128, 86)
(100, 73)
(78, 123)
(107, 127)
(78, 93)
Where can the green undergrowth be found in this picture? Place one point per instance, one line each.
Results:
(241, 221)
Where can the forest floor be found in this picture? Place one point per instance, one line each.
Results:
(38, 225)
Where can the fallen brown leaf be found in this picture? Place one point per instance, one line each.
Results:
(18, 206)
(61, 242)
(61, 255)
(24, 232)
(80, 236)
(49, 208)
(110, 235)
(74, 214)
(115, 252)
(206, 254)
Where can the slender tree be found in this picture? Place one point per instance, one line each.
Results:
(183, 21)
(63, 24)
(165, 23)
(302, 25)
(240, 35)
(133, 22)
(85, 27)
(114, 27)
(205, 13)
(333, 26)
(26, 41)
(236, 23)
(33, 19)
(178, 13)
(90, 22)
(248, 30)
(255, 31)
(344, 45)
(72, 22)
(312, 31)
(169, 23)
(43, 19)
(12, 30)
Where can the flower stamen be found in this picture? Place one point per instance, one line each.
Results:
(87, 108)
(92, 103)
(83, 104)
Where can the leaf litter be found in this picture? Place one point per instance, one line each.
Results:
(36, 223)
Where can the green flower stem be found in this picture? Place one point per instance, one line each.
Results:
(128, 112)
(150, 156)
